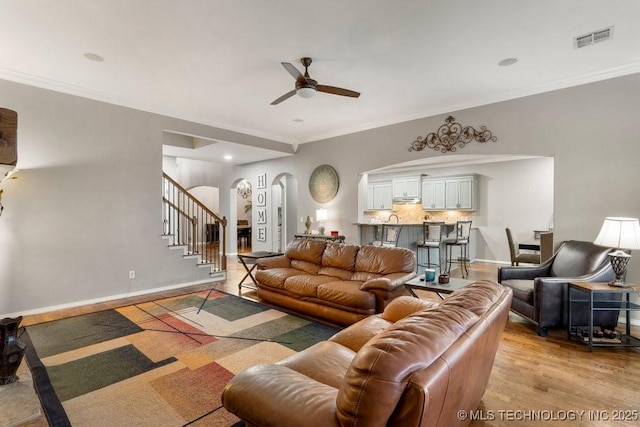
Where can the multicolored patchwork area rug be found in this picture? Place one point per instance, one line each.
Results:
(161, 363)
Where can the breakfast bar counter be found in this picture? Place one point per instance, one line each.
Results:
(410, 235)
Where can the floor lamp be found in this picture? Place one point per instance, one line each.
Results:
(623, 234)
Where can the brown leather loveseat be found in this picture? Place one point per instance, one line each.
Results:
(334, 281)
(420, 363)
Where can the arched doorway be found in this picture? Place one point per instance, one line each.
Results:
(284, 191)
(240, 211)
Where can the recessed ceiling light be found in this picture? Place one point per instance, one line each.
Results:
(228, 157)
(508, 61)
(93, 57)
(298, 120)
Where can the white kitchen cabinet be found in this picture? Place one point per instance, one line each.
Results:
(451, 193)
(379, 196)
(460, 193)
(406, 187)
(433, 194)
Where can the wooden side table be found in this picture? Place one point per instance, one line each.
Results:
(592, 289)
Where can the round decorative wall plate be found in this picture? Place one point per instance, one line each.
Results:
(324, 183)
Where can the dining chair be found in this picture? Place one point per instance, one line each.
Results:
(516, 256)
(433, 235)
(461, 240)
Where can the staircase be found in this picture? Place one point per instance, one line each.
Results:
(192, 227)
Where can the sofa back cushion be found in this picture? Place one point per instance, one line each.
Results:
(305, 254)
(477, 297)
(575, 258)
(384, 365)
(385, 260)
(339, 255)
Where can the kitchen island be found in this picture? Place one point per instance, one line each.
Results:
(410, 236)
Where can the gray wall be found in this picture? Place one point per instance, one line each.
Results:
(86, 207)
(589, 130)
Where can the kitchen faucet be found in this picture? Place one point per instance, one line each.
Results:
(397, 219)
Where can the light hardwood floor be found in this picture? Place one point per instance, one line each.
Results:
(535, 381)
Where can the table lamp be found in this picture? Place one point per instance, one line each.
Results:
(321, 215)
(623, 234)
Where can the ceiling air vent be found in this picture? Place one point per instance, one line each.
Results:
(592, 38)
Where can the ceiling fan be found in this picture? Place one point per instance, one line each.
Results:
(306, 87)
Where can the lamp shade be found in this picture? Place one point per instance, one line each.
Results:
(321, 214)
(621, 233)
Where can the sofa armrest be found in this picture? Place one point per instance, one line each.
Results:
(276, 395)
(280, 261)
(390, 282)
(387, 288)
(525, 272)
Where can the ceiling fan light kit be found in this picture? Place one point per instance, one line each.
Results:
(306, 92)
(306, 87)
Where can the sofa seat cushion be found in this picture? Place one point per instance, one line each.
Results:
(305, 285)
(275, 277)
(522, 289)
(347, 295)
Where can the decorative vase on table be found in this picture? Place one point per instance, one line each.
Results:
(307, 224)
(11, 349)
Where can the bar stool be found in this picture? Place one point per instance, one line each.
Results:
(433, 234)
(463, 232)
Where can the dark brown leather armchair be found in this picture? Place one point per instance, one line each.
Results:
(540, 292)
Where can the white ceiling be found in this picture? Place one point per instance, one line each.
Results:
(217, 62)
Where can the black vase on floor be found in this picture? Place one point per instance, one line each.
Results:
(11, 349)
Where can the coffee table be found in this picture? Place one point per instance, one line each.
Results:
(439, 289)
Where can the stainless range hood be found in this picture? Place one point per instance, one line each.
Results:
(405, 200)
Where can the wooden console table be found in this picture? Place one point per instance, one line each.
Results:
(328, 237)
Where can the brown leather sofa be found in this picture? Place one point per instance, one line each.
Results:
(417, 364)
(540, 292)
(334, 281)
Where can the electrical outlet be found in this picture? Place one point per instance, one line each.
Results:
(132, 274)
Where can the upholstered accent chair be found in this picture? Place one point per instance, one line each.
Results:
(540, 292)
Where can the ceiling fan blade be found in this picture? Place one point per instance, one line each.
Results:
(283, 97)
(293, 71)
(338, 91)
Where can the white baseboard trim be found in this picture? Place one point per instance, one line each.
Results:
(109, 298)
(492, 261)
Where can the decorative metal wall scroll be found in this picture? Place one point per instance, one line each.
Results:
(450, 135)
